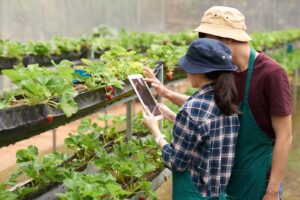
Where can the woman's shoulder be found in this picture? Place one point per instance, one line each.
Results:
(202, 106)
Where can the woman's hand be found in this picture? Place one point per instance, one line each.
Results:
(151, 123)
(158, 86)
(166, 112)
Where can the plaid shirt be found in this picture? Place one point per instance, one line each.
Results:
(203, 142)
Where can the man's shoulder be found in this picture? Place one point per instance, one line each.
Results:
(266, 65)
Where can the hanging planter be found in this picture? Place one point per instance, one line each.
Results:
(22, 122)
(33, 59)
(7, 63)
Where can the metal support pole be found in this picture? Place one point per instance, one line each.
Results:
(105, 114)
(1, 83)
(92, 54)
(54, 140)
(138, 15)
(164, 15)
(129, 118)
(159, 99)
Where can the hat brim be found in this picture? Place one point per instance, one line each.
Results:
(192, 68)
(223, 31)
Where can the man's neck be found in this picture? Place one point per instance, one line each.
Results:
(241, 57)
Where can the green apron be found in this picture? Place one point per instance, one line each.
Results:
(253, 156)
(185, 189)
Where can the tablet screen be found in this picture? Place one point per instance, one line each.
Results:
(145, 95)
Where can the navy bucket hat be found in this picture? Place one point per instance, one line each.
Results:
(207, 55)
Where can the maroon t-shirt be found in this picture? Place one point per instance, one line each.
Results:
(269, 92)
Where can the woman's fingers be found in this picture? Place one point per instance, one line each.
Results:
(147, 111)
(156, 84)
(152, 80)
(149, 72)
(166, 112)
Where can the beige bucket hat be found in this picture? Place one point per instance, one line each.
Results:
(224, 22)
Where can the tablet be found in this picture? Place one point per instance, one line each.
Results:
(142, 91)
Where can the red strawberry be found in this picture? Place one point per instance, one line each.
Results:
(50, 118)
(169, 75)
(141, 198)
(109, 88)
(108, 97)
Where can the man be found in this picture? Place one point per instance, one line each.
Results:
(265, 101)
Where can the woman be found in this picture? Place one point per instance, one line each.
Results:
(205, 130)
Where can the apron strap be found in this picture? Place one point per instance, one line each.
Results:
(249, 73)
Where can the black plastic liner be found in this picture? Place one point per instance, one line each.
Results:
(32, 59)
(46, 60)
(72, 56)
(22, 122)
(7, 63)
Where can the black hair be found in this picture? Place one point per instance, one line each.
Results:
(201, 35)
(225, 92)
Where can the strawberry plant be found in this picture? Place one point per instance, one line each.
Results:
(111, 132)
(66, 44)
(6, 99)
(5, 194)
(168, 54)
(126, 171)
(38, 48)
(41, 85)
(122, 62)
(99, 75)
(92, 186)
(12, 49)
(41, 171)
(288, 60)
(86, 141)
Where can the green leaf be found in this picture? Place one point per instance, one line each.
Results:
(66, 72)
(7, 195)
(84, 126)
(115, 189)
(68, 105)
(29, 154)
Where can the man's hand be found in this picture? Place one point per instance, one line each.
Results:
(271, 196)
(166, 112)
(282, 126)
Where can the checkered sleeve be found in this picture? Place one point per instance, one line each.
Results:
(186, 134)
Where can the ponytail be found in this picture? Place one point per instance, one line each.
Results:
(225, 92)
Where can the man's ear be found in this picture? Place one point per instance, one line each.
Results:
(227, 41)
